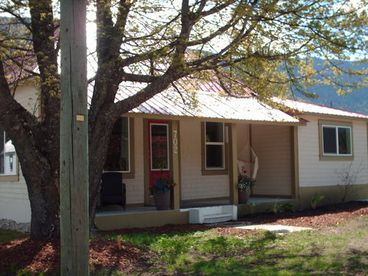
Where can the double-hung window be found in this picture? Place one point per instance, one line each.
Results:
(119, 154)
(214, 146)
(8, 158)
(336, 140)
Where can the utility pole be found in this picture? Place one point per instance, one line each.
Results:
(74, 222)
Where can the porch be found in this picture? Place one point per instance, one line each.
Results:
(179, 146)
(116, 217)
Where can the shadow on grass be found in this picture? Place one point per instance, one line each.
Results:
(357, 261)
(262, 258)
(282, 263)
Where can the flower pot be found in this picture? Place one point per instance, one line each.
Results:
(243, 195)
(162, 200)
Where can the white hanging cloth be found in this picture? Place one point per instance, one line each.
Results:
(245, 168)
(255, 163)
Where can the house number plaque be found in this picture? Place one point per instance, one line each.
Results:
(175, 141)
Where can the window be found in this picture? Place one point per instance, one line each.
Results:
(214, 146)
(336, 140)
(8, 158)
(159, 147)
(119, 155)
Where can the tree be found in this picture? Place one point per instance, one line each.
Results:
(153, 43)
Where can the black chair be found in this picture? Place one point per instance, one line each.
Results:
(113, 190)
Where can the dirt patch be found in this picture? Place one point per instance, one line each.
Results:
(320, 218)
(231, 231)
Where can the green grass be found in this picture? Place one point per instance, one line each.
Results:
(333, 251)
(341, 250)
(9, 235)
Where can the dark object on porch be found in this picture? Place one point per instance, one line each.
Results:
(243, 195)
(113, 190)
(162, 200)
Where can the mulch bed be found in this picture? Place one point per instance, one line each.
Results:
(322, 217)
(34, 256)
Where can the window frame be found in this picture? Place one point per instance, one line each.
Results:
(215, 170)
(14, 176)
(336, 125)
(128, 174)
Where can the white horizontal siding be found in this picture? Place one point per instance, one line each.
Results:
(315, 172)
(194, 185)
(14, 202)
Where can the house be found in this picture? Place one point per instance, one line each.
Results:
(198, 137)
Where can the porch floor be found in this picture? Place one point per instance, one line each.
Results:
(117, 209)
(116, 217)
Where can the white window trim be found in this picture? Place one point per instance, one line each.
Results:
(214, 144)
(168, 146)
(337, 140)
(129, 153)
(15, 160)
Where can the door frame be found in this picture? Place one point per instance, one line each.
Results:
(148, 200)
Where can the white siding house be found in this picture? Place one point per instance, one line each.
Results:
(296, 160)
(14, 202)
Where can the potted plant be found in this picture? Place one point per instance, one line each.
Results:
(161, 191)
(244, 185)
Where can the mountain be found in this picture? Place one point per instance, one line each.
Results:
(356, 101)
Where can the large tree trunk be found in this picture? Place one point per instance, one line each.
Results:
(99, 138)
(44, 200)
(42, 178)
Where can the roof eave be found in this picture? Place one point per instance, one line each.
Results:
(333, 116)
(226, 120)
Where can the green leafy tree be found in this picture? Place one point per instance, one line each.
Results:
(153, 43)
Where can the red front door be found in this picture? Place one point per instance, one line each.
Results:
(159, 155)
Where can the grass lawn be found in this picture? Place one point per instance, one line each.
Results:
(342, 249)
(225, 251)
(9, 235)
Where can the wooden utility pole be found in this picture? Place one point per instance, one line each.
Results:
(74, 195)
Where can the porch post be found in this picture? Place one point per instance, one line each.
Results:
(295, 160)
(233, 169)
(176, 162)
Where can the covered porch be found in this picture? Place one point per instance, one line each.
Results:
(198, 150)
(194, 188)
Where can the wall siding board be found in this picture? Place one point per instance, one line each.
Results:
(194, 185)
(315, 172)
